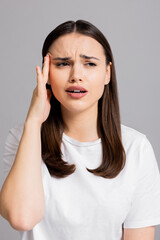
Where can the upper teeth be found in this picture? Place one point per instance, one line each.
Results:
(76, 90)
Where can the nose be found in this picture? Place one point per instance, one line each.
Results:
(76, 73)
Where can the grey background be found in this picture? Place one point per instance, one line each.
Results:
(132, 29)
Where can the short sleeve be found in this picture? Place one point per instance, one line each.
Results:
(145, 207)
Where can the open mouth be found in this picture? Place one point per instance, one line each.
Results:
(77, 91)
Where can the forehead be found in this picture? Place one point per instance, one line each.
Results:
(73, 43)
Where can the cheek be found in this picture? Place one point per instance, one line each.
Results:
(58, 75)
(56, 79)
(98, 84)
(98, 91)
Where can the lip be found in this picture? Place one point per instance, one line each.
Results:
(76, 95)
(72, 88)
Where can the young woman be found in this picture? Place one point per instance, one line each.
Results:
(73, 171)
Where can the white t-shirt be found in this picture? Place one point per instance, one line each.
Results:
(85, 206)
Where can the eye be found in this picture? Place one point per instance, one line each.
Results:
(91, 64)
(62, 64)
(65, 64)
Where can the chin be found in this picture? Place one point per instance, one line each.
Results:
(74, 108)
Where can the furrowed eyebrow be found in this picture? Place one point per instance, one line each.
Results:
(81, 55)
(87, 57)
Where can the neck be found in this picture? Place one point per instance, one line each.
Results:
(81, 126)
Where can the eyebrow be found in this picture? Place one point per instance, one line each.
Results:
(81, 55)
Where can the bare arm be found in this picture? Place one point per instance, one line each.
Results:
(146, 233)
(22, 195)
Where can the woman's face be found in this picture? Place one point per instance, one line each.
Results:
(92, 74)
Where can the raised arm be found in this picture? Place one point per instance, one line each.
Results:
(22, 195)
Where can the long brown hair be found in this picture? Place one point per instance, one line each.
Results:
(108, 123)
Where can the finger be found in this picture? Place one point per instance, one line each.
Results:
(39, 73)
(45, 71)
(40, 84)
(38, 70)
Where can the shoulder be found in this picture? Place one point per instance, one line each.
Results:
(17, 129)
(10, 147)
(134, 143)
(16, 132)
(132, 138)
(13, 137)
(131, 133)
(139, 151)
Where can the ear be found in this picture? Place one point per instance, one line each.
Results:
(108, 73)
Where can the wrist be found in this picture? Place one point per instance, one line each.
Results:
(32, 123)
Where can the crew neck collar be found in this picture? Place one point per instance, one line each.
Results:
(78, 143)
